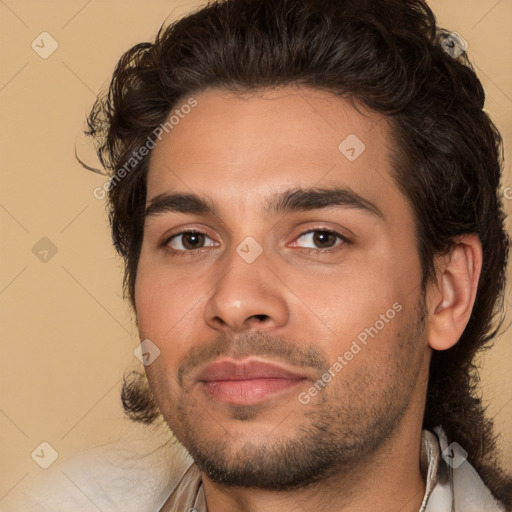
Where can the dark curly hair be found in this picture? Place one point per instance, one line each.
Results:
(388, 55)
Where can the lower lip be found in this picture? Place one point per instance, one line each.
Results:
(248, 392)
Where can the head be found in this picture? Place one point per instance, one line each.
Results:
(264, 99)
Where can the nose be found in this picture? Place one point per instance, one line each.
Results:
(247, 296)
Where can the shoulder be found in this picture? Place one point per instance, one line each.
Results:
(128, 475)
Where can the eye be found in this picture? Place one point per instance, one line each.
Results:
(320, 239)
(188, 241)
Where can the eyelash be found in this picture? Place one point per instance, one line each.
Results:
(182, 252)
(343, 241)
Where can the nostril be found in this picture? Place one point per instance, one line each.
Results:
(219, 320)
(261, 318)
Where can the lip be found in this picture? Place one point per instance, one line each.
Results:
(246, 382)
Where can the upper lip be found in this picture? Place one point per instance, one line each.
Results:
(245, 370)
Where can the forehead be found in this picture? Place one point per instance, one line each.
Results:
(238, 147)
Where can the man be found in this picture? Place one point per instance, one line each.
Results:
(306, 196)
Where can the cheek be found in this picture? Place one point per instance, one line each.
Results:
(348, 301)
(161, 318)
(360, 315)
(166, 305)
(387, 350)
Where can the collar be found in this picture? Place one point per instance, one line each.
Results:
(429, 463)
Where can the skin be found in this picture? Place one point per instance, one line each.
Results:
(299, 303)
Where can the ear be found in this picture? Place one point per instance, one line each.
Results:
(451, 296)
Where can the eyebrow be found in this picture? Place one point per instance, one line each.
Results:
(301, 199)
(297, 199)
(180, 203)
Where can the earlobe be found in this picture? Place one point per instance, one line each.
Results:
(451, 297)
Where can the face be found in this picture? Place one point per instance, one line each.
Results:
(280, 280)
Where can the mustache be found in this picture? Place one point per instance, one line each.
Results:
(256, 344)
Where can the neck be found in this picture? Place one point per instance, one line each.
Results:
(388, 480)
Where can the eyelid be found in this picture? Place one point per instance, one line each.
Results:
(189, 227)
(169, 237)
(342, 239)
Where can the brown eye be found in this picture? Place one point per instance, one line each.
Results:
(189, 240)
(320, 239)
(324, 239)
(193, 240)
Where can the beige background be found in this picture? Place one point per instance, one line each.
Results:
(66, 335)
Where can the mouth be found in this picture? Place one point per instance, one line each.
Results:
(247, 382)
